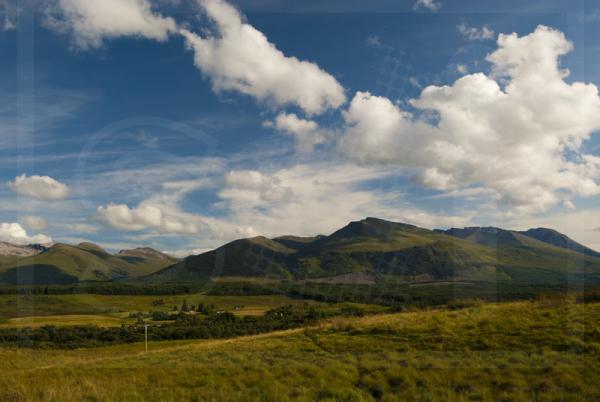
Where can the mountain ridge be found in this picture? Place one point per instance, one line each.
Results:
(401, 250)
(64, 263)
(558, 239)
(367, 248)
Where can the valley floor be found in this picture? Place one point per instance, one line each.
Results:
(521, 351)
(112, 310)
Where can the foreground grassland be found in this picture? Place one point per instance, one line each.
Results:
(522, 351)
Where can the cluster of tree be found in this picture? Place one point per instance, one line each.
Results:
(161, 315)
(185, 326)
(119, 288)
(399, 296)
(199, 308)
(396, 295)
(103, 288)
(245, 289)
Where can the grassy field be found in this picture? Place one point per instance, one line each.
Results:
(108, 307)
(521, 351)
(19, 311)
(114, 320)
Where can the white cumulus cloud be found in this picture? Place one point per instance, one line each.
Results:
(91, 21)
(150, 214)
(240, 58)
(39, 187)
(15, 233)
(160, 212)
(516, 133)
(307, 133)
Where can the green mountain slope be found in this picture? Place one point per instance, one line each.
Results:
(393, 251)
(256, 256)
(63, 263)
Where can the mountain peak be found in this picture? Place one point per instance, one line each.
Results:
(383, 222)
(91, 247)
(486, 235)
(264, 242)
(555, 238)
(371, 227)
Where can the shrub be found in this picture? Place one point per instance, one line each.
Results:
(589, 297)
(460, 304)
(160, 316)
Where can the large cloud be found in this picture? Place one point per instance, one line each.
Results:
(325, 197)
(516, 133)
(240, 58)
(305, 199)
(39, 187)
(15, 234)
(92, 21)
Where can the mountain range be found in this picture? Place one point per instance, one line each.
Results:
(63, 264)
(366, 251)
(377, 250)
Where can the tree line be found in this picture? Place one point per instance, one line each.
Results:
(216, 324)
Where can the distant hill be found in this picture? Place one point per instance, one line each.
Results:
(393, 251)
(63, 263)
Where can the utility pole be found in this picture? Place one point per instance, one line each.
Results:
(146, 336)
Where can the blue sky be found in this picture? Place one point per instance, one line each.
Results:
(142, 134)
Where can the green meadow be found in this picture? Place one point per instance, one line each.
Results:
(544, 350)
(15, 306)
